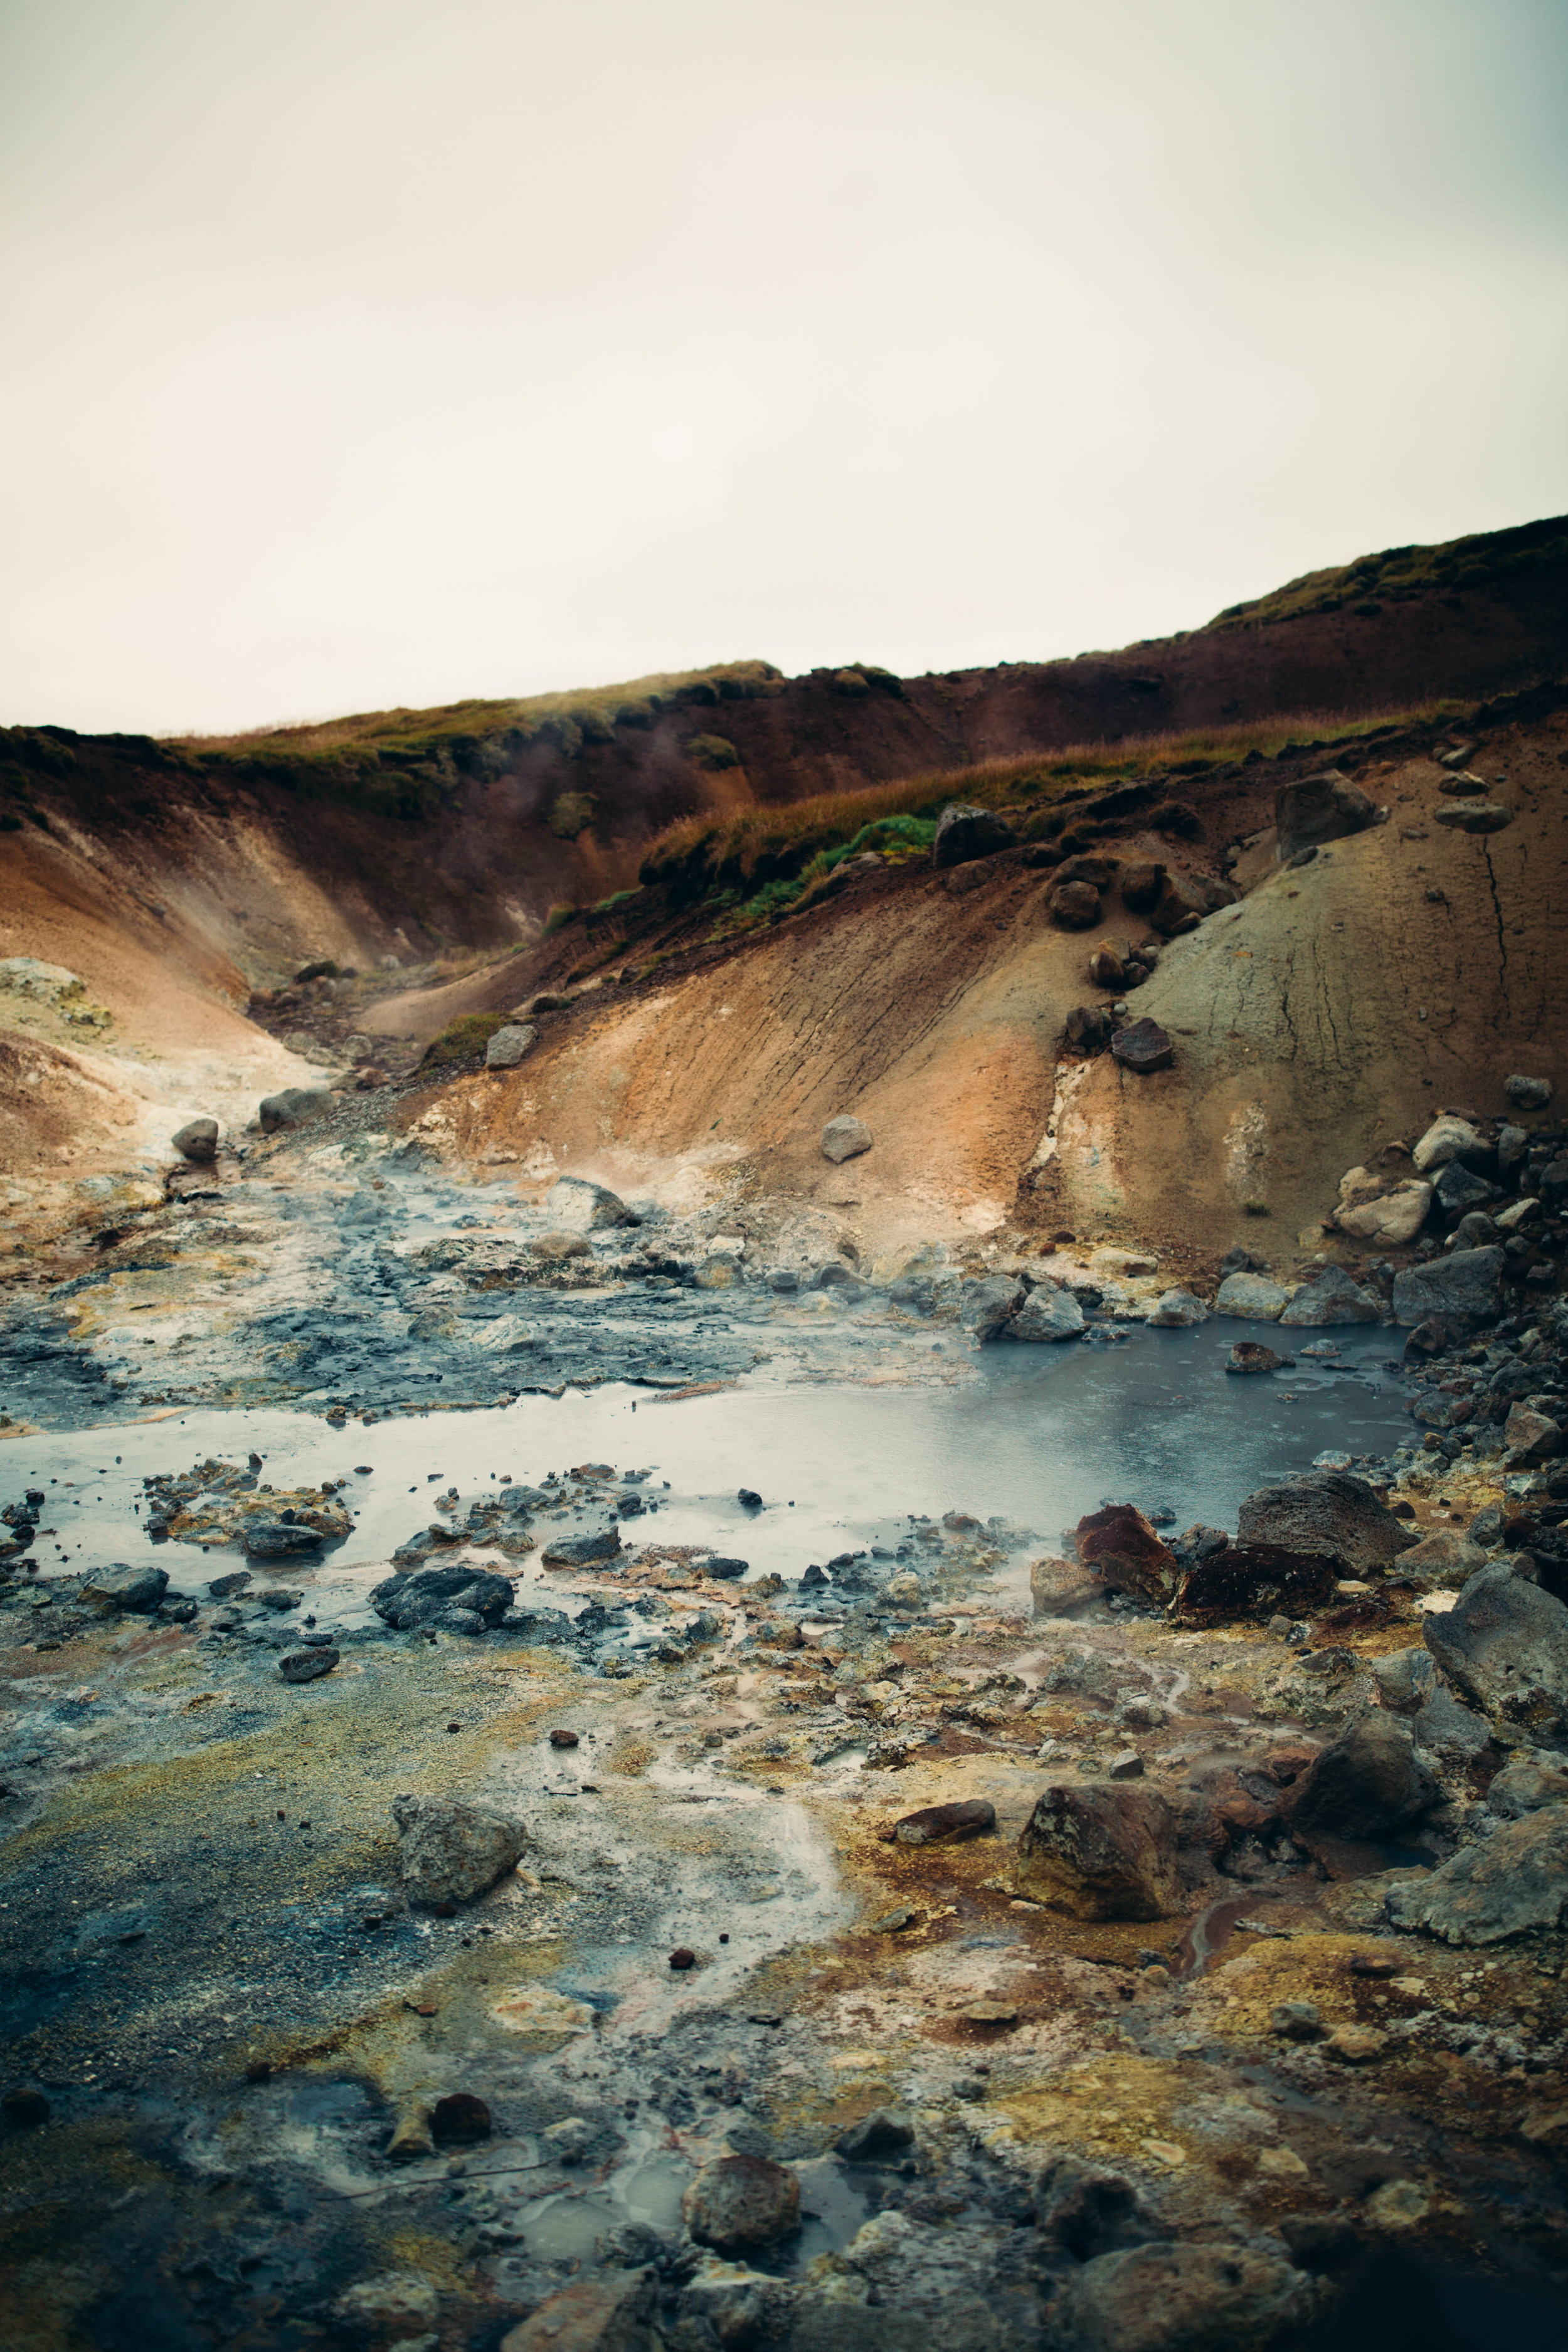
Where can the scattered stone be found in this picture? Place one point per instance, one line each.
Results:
(1178, 1310)
(1458, 1190)
(556, 1248)
(966, 1817)
(736, 2201)
(1184, 2298)
(581, 1207)
(1315, 809)
(560, 1738)
(1531, 1436)
(24, 2109)
(1514, 1881)
(1505, 1644)
(1251, 1355)
(1126, 1765)
(1057, 1587)
(1448, 1138)
(1099, 1851)
(459, 2119)
(1107, 968)
(1252, 1295)
(119, 1586)
(1474, 816)
(1529, 1093)
(1126, 1554)
(456, 1600)
(1331, 1297)
(893, 1922)
(225, 1587)
(1367, 1784)
(1327, 1511)
(1074, 905)
(846, 1138)
(280, 1539)
(1143, 1047)
(877, 2138)
(1524, 1786)
(963, 830)
(1047, 1314)
(197, 1140)
(307, 1665)
(508, 1046)
(449, 1850)
(608, 2313)
(1296, 2020)
(1087, 1029)
(1255, 1579)
(683, 1957)
(987, 1306)
(579, 1552)
(1373, 1210)
(295, 1106)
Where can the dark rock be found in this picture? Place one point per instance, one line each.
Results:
(1087, 1029)
(198, 1141)
(24, 2109)
(1142, 884)
(987, 1306)
(1074, 905)
(307, 1665)
(683, 1957)
(1144, 1046)
(1124, 1551)
(578, 1551)
(966, 1817)
(876, 2137)
(609, 2312)
(1368, 1784)
(1184, 2297)
(1327, 1298)
(430, 1595)
(1464, 1284)
(1254, 1579)
(273, 1539)
(1457, 1189)
(1320, 808)
(224, 1588)
(451, 1852)
(1529, 1093)
(1047, 1313)
(1242, 1261)
(295, 1106)
(963, 830)
(1329, 1511)
(1252, 1356)
(1185, 898)
(459, 2119)
(749, 1499)
(1107, 969)
(1513, 1882)
(736, 2201)
(1101, 1851)
(1098, 872)
(1474, 816)
(559, 1739)
(119, 1586)
(1504, 1644)
(729, 1571)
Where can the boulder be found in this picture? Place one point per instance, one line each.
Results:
(1177, 1310)
(845, 1137)
(1074, 905)
(736, 2201)
(1087, 1029)
(280, 1539)
(876, 2137)
(965, 1817)
(1405, 1679)
(1531, 1436)
(579, 1552)
(963, 830)
(1142, 884)
(581, 1207)
(450, 1852)
(1320, 808)
(307, 1665)
(1368, 1784)
(1184, 2297)
(1185, 898)
(295, 1106)
(1442, 1561)
(1458, 1189)
(987, 1306)
(1513, 1882)
(1448, 1138)
(1254, 1579)
(1523, 1786)
(1099, 872)
(507, 1047)
(1144, 1046)
(445, 1597)
(1100, 1850)
(1474, 816)
(1529, 1093)
(1330, 1512)
(119, 1586)
(197, 1140)
(1331, 1297)
(1121, 1547)
(1252, 1295)
(1059, 1587)
(1467, 1283)
(1373, 1210)
(1048, 1313)
(1504, 1644)
(1107, 969)
(610, 2312)
(1252, 1356)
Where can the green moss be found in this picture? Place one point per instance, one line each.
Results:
(714, 752)
(462, 1039)
(570, 815)
(560, 915)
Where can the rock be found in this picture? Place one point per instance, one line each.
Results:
(197, 1140)
(1176, 1310)
(1143, 1047)
(1074, 905)
(307, 1665)
(894, 1922)
(1514, 1881)
(1125, 1765)
(1098, 872)
(1474, 816)
(1529, 1093)
(295, 1106)
(1048, 1313)
(1465, 1284)
(556, 1248)
(1057, 1587)
(1457, 1190)
(1107, 969)
(845, 1137)
(1252, 1295)
(1126, 1554)
(987, 1306)
(1185, 898)
(883, 2134)
(1531, 1436)
(1087, 1029)
(1320, 808)
(964, 832)
(278, 1539)
(1142, 884)
(581, 1207)
(1441, 1563)
(1254, 1579)
(1448, 1138)
(394, 2307)
(24, 2109)
(1330, 1512)
(442, 1597)
(737, 2309)
(46, 983)
(1504, 1644)
(120, 1586)
(737, 2202)
(1331, 1297)
(509, 1044)
(449, 1850)
(1101, 1851)
(1524, 1786)
(610, 2312)
(1448, 1730)
(1184, 2299)
(1251, 1355)
(1368, 1784)
(966, 1817)
(1373, 1210)
(1405, 1679)
(577, 1552)
(459, 2119)
(1297, 2021)
(1512, 1145)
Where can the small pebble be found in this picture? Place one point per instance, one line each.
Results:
(683, 1957)
(564, 1739)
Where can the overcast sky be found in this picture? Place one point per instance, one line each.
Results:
(371, 351)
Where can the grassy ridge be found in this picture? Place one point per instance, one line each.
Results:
(1399, 575)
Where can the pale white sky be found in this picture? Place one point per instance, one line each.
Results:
(375, 351)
